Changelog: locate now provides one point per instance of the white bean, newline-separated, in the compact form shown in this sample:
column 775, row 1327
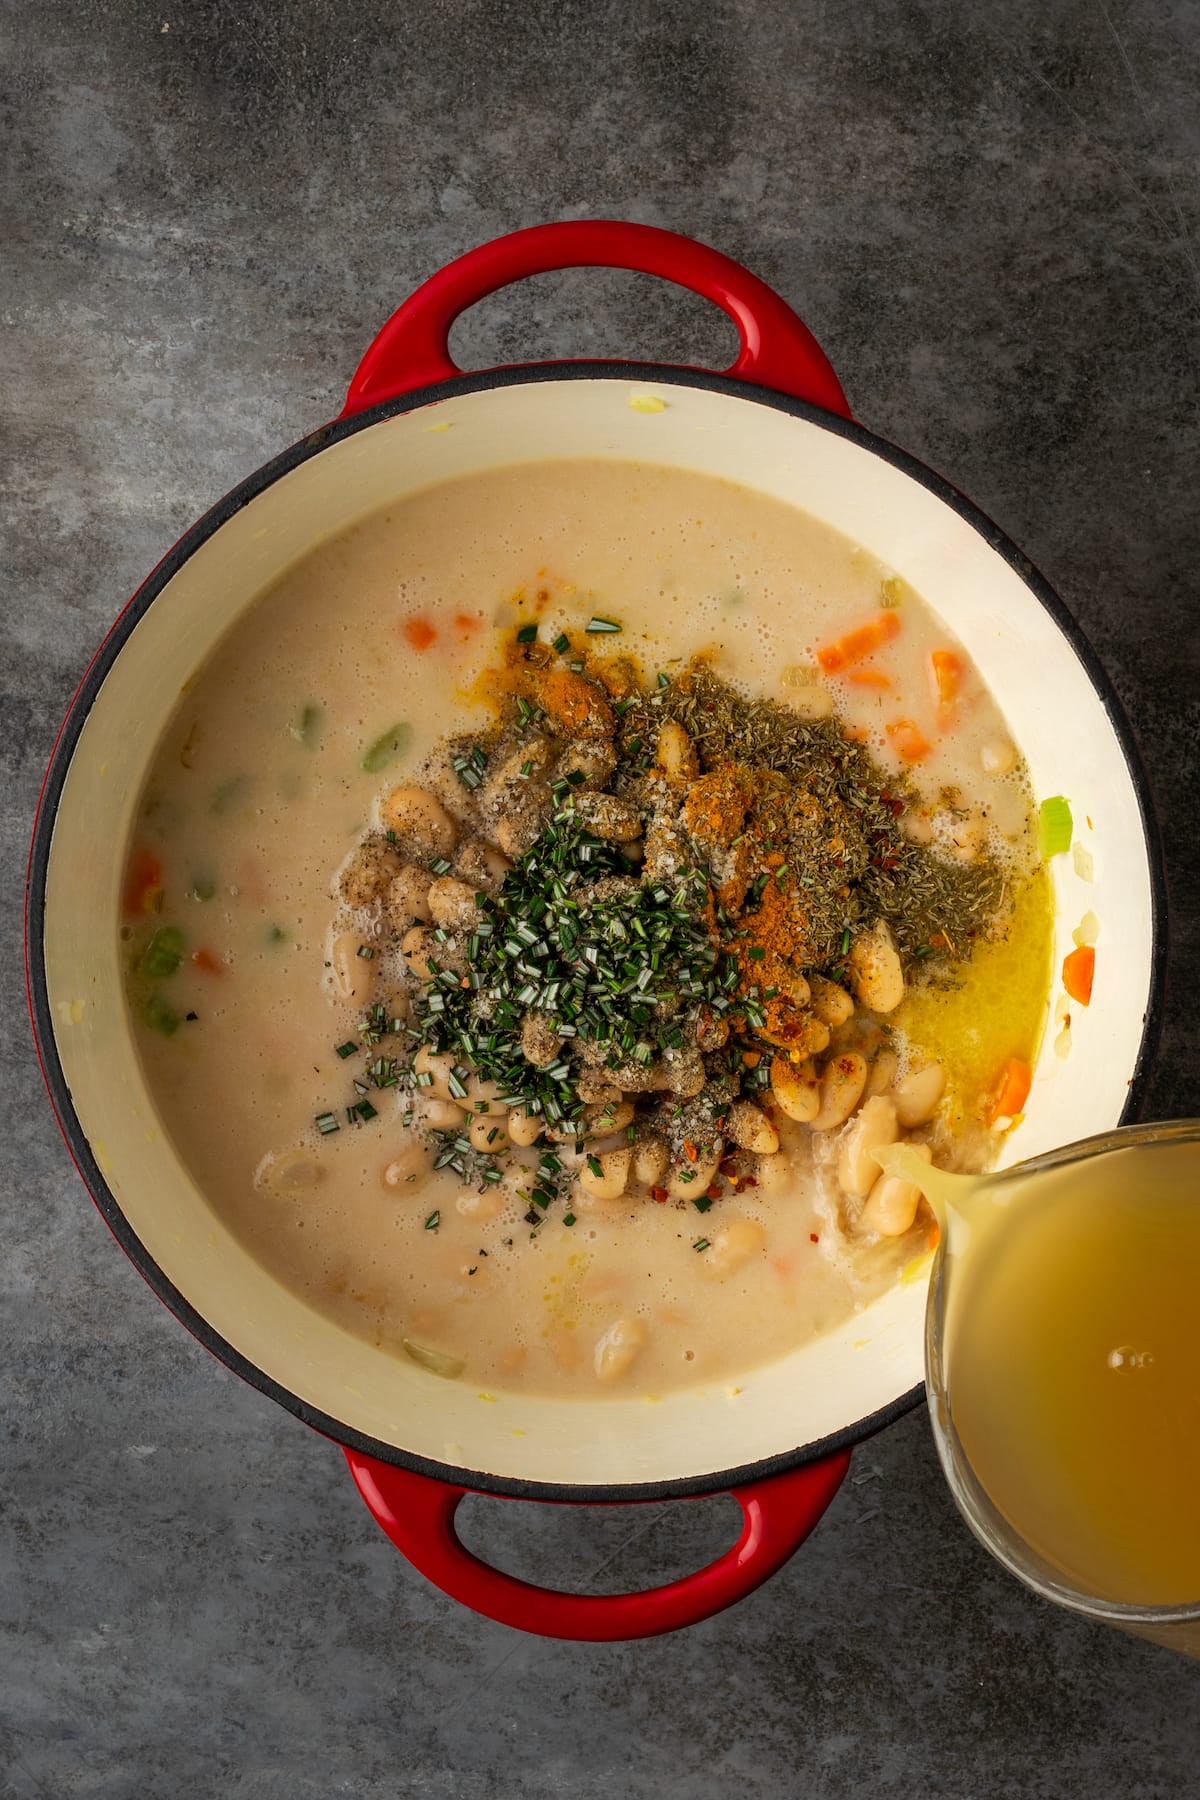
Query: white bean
column 609, row 1184
column 353, row 975
column 438, row 1064
column 830, row 1002
column 606, row 1118
column 882, row 1072
column 540, row 1043
column 842, row 1084
column 997, row 756
column 873, row 1129
column 892, row 1203
column 367, row 871
column 774, row 1174
column 619, row 1348
column 290, row 1172
column 452, row 903
column 442, row 1115
column 733, row 1244
column 481, row 1206
column 408, row 897
column 750, row 1129
column 483, row 1097
column 650, row 1159
column 917, row 1094
column 409, row 1169
column 417, row 947
column 688, row 1180
column 875, row 972
column 420, row 820
column 524, row 1128
column 962, row 836
column 488, row 1135
column 796, row 1088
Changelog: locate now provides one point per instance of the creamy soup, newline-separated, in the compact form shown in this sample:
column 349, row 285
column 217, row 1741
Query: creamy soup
column 799, row 916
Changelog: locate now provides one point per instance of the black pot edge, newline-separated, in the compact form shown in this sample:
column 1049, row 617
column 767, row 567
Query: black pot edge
column 204, row 528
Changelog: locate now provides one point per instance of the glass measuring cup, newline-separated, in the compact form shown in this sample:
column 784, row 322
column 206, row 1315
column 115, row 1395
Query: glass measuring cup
column 975, row 1214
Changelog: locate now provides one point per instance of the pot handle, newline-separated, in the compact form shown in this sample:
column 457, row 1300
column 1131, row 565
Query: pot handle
column 777, row 348
column 417, row 1513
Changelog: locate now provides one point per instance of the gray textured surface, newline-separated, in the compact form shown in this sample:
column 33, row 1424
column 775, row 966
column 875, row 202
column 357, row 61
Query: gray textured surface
column 987, row 213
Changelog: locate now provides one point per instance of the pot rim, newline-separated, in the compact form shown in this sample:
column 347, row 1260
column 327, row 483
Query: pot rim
column 312, row 444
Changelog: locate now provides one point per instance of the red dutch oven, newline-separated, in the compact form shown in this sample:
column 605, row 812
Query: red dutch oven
column 776, row 421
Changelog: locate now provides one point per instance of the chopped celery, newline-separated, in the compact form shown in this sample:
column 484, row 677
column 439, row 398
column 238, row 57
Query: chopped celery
column 163, row 954
column 226, row 796
column 1054, row 827
column 387, row 748
column 307, row 728
column 160, row 1016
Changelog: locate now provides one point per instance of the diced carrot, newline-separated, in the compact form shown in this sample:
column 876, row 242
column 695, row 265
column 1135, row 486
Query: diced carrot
column 948, row 671
column 420, row 633
column 690, row 1151
column 908, row 740
column 658, row 1195
column 143, row 884
column 862, row 641
column 204, row 959
column 1079, row 969
column 751, row 1058
column 1012, row 1090
column 870, row 678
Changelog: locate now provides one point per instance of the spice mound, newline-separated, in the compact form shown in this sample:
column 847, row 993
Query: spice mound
column 636, row 923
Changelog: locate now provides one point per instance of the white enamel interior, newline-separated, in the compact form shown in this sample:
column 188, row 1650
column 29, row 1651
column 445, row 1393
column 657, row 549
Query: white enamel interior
column 823, row 1387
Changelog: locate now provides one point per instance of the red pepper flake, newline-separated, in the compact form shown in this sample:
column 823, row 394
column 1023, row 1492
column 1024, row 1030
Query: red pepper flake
column 715, row 1191
column 420, row 633
column 658, row 1194
column 750, row 1181
column 204, row 959
column 691, row 1152
column 813, row 1238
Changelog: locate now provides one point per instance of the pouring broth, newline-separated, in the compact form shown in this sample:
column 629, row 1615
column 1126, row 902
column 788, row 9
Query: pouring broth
column 1072, row 1366
column 806, row 805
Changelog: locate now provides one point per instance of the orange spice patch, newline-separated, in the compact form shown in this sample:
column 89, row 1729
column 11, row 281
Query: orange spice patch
column 143, row 884
column 420, row 633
